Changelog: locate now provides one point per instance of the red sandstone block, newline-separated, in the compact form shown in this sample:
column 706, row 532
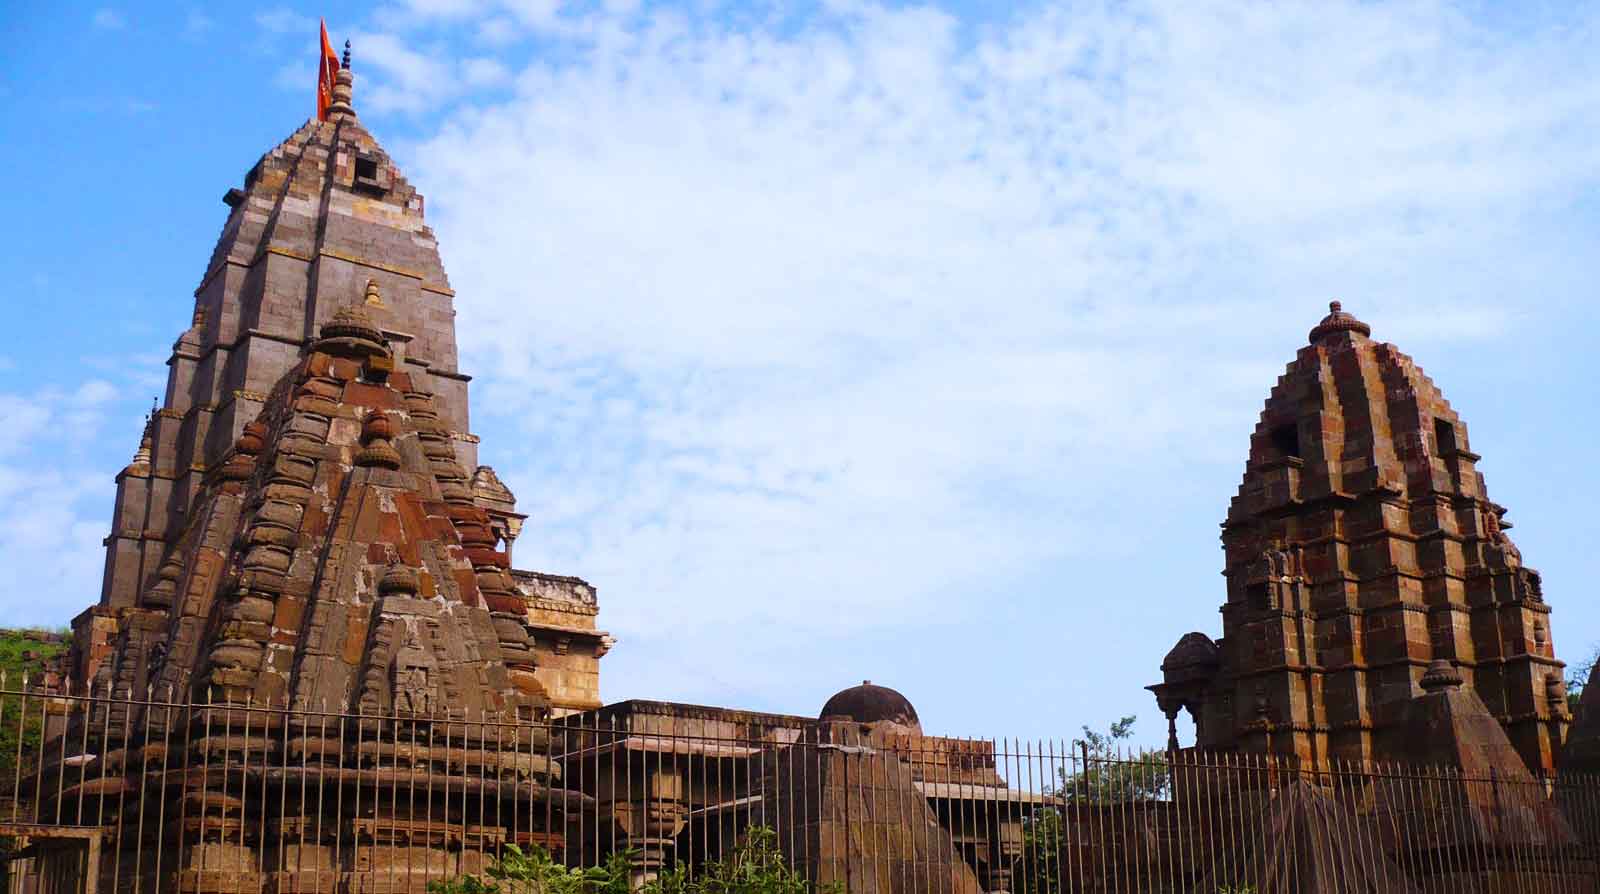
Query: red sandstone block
column 467, row 584
column 501, row 603
column 364, row 395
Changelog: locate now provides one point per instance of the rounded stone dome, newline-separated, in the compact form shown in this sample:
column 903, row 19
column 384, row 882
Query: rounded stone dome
column 352, row 331
column 1337, row 321
column 868, row 703
column 1195, row 657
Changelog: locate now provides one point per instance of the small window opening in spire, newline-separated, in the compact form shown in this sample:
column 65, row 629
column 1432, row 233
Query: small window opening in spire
column 1444, row 437
column 1286, row 440
column 367, row 175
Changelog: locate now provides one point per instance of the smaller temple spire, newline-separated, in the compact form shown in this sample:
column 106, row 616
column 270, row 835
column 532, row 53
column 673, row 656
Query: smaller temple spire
column 345, row 62
column 141, row 457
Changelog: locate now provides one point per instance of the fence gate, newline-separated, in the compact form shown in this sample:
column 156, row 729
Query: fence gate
column 52, row 859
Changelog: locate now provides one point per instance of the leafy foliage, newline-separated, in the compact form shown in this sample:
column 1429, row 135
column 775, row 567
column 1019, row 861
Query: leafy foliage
column 755, row 867
column 13, row 645
column 1110, row 776
column 1113, row 775
column 536, row 872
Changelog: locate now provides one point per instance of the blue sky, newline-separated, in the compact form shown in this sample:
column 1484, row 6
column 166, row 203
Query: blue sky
column 835, row 341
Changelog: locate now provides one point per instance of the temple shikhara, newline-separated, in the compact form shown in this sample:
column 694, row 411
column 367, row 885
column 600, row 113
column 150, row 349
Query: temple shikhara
column 313, row 665
column 306, row 507
column 1367, row 571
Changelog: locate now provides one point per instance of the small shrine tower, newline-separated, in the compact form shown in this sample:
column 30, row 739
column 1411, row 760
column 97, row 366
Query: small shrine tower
column 1361, row 548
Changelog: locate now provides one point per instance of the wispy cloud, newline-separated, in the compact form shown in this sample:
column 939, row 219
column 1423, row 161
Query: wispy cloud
column 821, row 333
column 50, row 500
column 282, row 20
column 865, row 342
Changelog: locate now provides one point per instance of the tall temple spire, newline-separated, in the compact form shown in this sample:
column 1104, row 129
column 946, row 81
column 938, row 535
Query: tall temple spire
column 319, row 369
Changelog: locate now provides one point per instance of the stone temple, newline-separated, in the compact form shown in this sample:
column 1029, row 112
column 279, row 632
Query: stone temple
column 311, row 473
column 1370, row 583
column 309, row 598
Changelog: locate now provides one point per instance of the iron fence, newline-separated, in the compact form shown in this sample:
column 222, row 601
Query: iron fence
column 133, row 793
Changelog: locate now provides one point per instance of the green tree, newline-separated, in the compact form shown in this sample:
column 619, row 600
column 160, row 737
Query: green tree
column 1578, row 677
column 1113, row 772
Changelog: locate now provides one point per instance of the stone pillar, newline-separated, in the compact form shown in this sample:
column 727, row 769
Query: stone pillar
column 1007, row 850
column 650, row 825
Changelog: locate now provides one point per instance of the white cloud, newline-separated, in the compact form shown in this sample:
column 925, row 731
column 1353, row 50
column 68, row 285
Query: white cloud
column 826, row 333
column 282, row 20
column 53, row 502
column 394, row 75
column 482, row 72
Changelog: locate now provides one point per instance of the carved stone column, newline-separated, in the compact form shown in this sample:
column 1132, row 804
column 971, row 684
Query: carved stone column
column 650, row 824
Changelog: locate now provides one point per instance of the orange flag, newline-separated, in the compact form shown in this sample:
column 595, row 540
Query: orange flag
column 327, row 71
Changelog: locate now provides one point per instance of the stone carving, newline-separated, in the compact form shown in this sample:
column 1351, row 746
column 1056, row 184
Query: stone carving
column 412, row 684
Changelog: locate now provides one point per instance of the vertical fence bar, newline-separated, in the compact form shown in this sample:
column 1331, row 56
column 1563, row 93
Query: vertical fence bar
column 116, row 851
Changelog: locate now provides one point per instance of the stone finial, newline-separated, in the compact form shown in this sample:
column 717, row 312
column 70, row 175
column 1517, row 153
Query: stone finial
column 376, row 431
column 343, row 83
column 141, row 457
column 1441, row 676
column 373, row 297
column 164, row 591
column 241, row 465
column 399, row 579
column 1556, row 689
column 1338, row 321
column 352, row 331
column 253, row 439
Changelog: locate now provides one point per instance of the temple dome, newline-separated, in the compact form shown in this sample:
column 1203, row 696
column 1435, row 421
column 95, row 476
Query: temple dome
column 352, row 321
column 1195, row 656
column 869, row 703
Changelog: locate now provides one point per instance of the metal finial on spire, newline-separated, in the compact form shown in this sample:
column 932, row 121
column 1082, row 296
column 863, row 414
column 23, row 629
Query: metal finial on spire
column 345, row 63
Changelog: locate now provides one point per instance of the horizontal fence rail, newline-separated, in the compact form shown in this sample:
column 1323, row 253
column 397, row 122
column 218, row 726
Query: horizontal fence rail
column 112, row 793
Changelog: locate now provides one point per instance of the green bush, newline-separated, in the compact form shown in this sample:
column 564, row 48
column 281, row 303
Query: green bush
column 535, row 872
column 756, row 866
